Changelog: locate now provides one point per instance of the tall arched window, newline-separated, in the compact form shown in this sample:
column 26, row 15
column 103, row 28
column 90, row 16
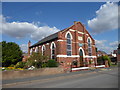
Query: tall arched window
column 36, row 49
column 81, row 57
column 69, row 45
column 89, row 47
column 53, row 51
column 43, row 50
column 31, row 50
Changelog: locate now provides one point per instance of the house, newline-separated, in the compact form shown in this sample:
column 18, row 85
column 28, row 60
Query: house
column 71, row 46
column 114, row 54
column 101, row 53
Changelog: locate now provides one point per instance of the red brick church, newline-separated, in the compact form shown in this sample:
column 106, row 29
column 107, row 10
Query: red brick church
column 71, row 46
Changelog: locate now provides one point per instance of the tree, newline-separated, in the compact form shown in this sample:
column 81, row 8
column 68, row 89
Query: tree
column 36, row 59
column 102, row 59
column 119, row 46
column 11, row 53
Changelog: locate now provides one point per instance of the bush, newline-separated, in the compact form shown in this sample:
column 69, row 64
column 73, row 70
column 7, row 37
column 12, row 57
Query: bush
column 20, row 64
column 52, row 63
column 36, row 60
column 44, row 65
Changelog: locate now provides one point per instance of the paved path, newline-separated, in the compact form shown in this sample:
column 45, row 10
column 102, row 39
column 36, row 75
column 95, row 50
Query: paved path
column 101, row 78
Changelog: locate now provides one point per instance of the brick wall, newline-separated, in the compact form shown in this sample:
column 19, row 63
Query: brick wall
column 31, row 73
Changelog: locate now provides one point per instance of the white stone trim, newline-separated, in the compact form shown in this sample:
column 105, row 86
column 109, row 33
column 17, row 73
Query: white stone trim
column 60, row 40
column 90, row 56
column 90, row 40
column 51, row 47
column 68, row 56
column 77, row 56
column 80, row 32
column 87, row 34
column 36, row 49
column 72, row 30
column 47, row 43
column 69, row 33
column 82, row 51
column 42, row 48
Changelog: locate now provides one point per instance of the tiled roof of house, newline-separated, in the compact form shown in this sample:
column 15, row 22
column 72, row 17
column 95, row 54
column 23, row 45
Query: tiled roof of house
column 46, row 39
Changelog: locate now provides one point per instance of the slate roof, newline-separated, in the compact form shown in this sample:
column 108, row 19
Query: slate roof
column 46, row 39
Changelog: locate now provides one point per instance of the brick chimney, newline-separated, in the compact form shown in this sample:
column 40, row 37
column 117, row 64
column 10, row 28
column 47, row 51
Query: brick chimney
column 75, row 22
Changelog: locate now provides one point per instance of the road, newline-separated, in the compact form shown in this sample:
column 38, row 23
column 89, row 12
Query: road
column 103, row 78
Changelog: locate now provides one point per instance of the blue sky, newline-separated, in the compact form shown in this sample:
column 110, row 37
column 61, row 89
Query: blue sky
column 24, row 21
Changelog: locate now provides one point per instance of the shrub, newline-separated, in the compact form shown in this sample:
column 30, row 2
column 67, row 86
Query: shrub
column 44, row 65
column 20, row 64
column 36, row 60
column 52, row 63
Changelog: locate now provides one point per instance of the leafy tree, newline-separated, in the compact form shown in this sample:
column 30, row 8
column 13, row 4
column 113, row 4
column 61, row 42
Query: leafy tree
column 36, row 59
column 11, row 53
column 102, row 59
column 119, row 46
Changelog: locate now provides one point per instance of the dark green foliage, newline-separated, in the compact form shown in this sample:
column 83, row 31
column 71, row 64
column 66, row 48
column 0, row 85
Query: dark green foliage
column 36, row 59
column 20, row 64
column 119, row 46
column 52, row 63
column 44, row 65
column 11, row 53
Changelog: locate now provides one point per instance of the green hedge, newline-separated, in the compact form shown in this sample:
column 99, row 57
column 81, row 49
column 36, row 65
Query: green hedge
column 52, row 63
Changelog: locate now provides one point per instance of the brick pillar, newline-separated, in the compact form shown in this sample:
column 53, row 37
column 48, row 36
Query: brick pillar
column 29, row 44
column 59, row 44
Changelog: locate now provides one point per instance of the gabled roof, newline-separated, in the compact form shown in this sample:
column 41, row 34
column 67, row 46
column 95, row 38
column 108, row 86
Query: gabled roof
column 54, row 36
column 46, row 39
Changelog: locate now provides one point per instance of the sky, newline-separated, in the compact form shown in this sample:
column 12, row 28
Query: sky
column 24, row 21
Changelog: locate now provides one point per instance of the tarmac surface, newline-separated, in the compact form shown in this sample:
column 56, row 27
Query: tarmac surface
column 98, row 78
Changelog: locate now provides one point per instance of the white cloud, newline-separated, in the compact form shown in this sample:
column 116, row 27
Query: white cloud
column 106, row 18
column 102, row 45
column 24, row 47
column 25, row 29
column 114, row 44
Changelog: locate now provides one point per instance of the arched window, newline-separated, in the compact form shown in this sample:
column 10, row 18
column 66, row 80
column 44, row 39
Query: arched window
column 89, row 47
column 37, row 49
column 69, row 45
column 31, row 50
column 43, row 50
column 53, row 51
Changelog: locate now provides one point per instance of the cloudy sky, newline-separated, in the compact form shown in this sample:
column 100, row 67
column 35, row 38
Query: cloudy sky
column 26, row 21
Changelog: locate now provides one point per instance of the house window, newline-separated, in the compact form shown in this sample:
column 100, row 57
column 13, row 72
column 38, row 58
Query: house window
column 43, row 50
column 89, row 47
column 69, row 45
column 53, row 51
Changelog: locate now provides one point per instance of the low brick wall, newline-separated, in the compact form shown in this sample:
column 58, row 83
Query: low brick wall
column 30, row 73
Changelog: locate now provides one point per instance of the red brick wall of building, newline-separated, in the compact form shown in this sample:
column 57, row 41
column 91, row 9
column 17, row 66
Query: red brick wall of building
column 77, row 31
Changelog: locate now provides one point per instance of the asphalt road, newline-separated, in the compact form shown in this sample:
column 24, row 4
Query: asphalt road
column 104, row 78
